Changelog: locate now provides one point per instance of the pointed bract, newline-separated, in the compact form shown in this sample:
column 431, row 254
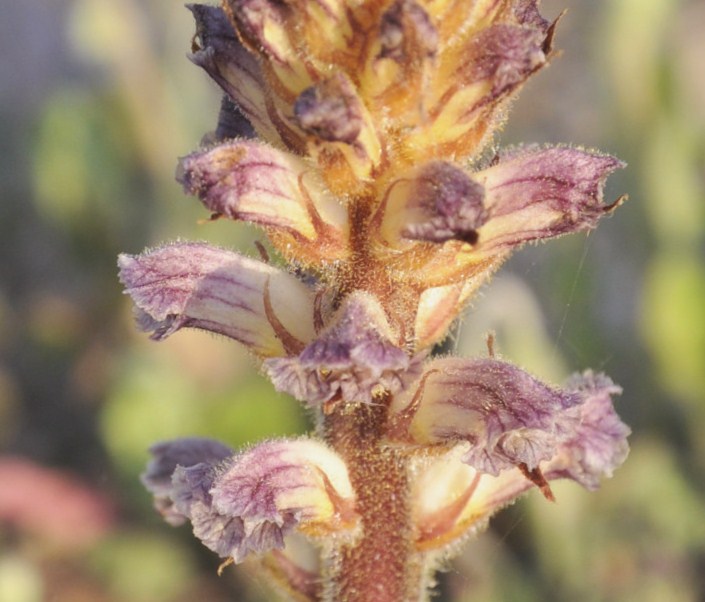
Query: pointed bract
column 439, row 306
column 452, row 499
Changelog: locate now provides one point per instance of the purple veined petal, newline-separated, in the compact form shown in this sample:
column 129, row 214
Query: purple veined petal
column 489, row 67
column 233, row 68
column 355, row 359
column 222, row 534
column 533, row 193
column 451, row 498
column 507, row 417
column 199, row 286
column 248, row 180
column 191, row 496
column 277, row 486
column 169, row 455
column 284, row 475
column 599, row 444
column 248, row 502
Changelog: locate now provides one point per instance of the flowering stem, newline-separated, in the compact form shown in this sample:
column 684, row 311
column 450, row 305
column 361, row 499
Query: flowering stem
column 372, row 119
column 382, row 564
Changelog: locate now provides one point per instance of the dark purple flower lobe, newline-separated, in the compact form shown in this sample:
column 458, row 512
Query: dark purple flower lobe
column 236, row 70
column 444, row 203
column 169, row 455
column 331, row 110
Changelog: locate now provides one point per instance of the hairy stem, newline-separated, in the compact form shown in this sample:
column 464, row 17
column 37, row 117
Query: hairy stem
column 382, row 565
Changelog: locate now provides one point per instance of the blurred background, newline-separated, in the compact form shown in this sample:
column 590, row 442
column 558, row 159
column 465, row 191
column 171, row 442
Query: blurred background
column 97, row 100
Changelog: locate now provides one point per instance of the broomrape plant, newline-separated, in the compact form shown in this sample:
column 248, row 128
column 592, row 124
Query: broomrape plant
column 355, row 133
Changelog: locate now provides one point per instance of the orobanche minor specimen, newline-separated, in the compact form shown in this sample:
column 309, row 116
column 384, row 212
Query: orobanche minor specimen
column 356, row 134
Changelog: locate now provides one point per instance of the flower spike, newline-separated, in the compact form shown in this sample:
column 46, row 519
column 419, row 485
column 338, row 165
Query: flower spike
column 355, row 134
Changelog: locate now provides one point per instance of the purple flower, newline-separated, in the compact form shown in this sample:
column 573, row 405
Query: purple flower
column 356, row 360
column 506, row 416
column 199, row 286
column 249, row 502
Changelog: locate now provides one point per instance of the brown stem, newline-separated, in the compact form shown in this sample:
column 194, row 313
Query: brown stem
column 382, row 564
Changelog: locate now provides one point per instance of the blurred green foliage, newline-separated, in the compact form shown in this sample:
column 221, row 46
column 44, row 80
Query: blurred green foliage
column 100, row 101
